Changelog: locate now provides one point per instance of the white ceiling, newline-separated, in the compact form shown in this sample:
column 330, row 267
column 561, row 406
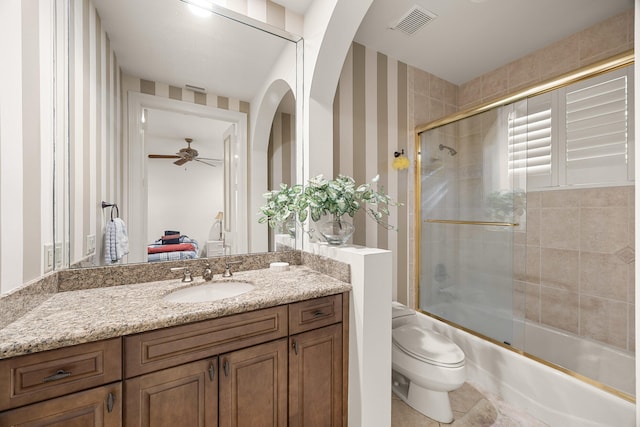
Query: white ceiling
column 163, row 41
column 472, row 37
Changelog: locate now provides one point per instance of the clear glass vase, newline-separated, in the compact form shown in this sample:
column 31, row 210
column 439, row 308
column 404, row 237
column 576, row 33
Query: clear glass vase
column 289, row 227
column 335, row 230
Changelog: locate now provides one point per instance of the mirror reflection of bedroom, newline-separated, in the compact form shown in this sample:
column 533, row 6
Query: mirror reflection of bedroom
column 186, row 187
column 189, row 177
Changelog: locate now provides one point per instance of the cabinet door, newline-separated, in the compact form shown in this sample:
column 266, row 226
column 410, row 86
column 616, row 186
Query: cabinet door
column 315, row 378
column 98, row 407
column 185, row 396
column 253, row 386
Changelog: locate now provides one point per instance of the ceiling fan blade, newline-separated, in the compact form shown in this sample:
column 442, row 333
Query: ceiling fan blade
column 180, row 162
column 163, row 156
column 211, row 159
column 206, row 163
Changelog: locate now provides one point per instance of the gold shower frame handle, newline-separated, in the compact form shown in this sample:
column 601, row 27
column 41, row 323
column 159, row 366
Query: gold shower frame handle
column 491, row 223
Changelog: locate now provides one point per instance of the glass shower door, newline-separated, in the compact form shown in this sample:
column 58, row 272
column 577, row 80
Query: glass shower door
column 470, row 206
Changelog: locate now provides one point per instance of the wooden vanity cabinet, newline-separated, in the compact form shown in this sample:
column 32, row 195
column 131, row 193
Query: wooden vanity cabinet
column 253, row 386
column 96, row 407
column 317, row 368
column 279, row 366
column 64, row 387
column 185, row 395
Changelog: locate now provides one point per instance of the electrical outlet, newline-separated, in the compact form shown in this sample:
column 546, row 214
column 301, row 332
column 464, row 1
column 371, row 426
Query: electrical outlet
column 90, row 244
column 58, row 255
column 48, row 257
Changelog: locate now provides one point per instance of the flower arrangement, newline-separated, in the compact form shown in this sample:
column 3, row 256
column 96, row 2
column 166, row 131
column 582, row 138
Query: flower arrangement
column 322, row 197
column 341, row 196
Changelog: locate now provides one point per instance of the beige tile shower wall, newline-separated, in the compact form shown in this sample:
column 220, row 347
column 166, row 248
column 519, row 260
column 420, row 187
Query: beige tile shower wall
column 610, row 37
column 600, row 41
column 573, row 268
column 575, row 263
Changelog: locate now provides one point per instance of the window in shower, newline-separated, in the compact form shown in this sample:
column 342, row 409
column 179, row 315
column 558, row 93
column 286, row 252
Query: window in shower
column 576, row 135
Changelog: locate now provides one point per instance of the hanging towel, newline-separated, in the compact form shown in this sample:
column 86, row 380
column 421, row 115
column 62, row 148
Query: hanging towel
column 122, row 239
column 116, row 241
column 109, row 243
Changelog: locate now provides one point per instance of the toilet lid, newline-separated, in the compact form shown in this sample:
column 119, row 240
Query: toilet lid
column 428, row 346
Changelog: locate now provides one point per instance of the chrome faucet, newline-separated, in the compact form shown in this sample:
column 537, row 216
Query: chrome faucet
column 186, row 274
column 227, row 268
column 207, row 274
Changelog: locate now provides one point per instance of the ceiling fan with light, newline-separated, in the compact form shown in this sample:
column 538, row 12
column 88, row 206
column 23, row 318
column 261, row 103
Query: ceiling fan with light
column 187, row 154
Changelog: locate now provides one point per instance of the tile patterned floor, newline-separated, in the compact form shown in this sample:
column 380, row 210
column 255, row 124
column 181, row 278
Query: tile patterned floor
column 471, row 408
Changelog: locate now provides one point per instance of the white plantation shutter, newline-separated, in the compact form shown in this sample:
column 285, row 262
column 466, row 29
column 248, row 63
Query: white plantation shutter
column 578, row 135
column 530, row 141
column 597, row 130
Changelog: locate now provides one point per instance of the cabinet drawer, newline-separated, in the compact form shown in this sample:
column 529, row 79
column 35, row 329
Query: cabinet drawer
column 315, row 313
column 100, row 406
column 41, row 376
column 164, row 348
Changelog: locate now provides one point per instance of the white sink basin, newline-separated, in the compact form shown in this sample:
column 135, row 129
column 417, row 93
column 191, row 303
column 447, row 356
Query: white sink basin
column 209, row 292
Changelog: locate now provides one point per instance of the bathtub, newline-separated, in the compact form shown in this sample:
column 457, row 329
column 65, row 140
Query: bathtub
column 595, row 360
column 592, row 359
column 549, row 395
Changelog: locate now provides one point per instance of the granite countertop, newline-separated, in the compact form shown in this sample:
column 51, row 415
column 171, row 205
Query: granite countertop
column 86, row 315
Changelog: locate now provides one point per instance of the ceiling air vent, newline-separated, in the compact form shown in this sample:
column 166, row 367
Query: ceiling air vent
column 413, row 20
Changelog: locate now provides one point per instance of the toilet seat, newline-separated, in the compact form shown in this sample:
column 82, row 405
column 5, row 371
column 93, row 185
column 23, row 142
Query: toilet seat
column 428, row 346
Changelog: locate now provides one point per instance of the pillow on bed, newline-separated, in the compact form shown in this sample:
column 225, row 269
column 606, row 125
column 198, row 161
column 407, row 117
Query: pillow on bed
column 171, row 248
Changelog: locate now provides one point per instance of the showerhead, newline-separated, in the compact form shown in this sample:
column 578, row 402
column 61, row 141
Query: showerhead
column 451, row 150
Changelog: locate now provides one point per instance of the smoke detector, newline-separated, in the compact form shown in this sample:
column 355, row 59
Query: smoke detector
column 414, row 19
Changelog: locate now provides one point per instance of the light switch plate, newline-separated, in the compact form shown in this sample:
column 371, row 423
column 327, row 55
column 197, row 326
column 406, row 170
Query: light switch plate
column 48, row 257
column 58, row 255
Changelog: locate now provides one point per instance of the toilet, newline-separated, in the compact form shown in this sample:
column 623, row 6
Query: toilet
column 426, row 365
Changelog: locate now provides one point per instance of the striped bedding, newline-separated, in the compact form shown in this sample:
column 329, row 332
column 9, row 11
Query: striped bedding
column 172, row 255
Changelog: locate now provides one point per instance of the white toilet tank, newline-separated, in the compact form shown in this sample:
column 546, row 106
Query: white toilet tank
column 401, row 315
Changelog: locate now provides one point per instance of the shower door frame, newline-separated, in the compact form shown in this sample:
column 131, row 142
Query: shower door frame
column 601, row 67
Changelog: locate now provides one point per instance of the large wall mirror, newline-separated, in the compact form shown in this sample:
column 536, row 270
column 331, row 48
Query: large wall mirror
column 175, row 115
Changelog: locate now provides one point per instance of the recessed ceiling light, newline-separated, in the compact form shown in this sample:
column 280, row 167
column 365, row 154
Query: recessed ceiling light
column 199, row 7
column 198, row 11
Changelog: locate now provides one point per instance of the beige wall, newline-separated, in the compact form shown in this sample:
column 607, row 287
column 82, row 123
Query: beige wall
column 281, row 156
column 95, row 123
column 371, row 122
column 27, row 127
column 368, row 118
column 574, row 263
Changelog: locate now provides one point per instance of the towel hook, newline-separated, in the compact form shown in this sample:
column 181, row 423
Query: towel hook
column 112, row 205
column 115, row 206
